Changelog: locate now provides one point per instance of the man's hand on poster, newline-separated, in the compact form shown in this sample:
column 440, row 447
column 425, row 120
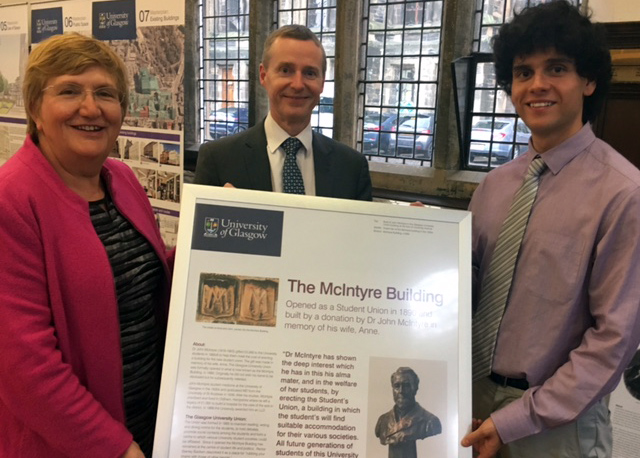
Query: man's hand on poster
column 484, row 438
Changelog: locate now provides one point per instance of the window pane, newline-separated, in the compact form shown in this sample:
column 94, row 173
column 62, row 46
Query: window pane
column 431, row 42
column 485, row 40
column 428, row 95
column 429, row 68
column 398, row 92
column 395, row 16
column 410, row 67
column 483, row 101
column 378, row 17
column 374, row 68
column 375, row 45
column 413, row 18
column 503, row 103
column 285, row 17
column 412, row 40
column 224, row 72
column 493, row 12
column 433, row 14
column 393, row 45
column 485, row 75
column 373, row 93
column 391, row 94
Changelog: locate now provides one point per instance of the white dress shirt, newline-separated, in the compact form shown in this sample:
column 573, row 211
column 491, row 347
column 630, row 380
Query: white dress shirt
column 276, row 135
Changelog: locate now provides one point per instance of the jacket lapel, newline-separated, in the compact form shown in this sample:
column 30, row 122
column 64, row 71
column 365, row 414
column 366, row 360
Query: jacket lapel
column 322, row 164
column 256, row 159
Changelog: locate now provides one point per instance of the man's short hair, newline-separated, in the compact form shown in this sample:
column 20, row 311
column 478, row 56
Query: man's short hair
column 407, row 371
column 296, row 32
column 556, row 25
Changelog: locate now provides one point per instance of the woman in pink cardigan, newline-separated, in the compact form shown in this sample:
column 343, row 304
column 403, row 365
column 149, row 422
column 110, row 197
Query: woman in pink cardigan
column 84, row 277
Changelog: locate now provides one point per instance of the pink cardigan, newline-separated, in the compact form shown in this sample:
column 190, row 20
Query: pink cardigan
column 61, row 388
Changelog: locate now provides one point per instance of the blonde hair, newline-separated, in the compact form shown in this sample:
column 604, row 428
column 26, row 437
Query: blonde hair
column 68, row 54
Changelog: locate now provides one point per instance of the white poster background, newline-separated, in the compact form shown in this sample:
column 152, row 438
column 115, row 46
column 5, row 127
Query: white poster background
column 624, row 405
column 233, row 390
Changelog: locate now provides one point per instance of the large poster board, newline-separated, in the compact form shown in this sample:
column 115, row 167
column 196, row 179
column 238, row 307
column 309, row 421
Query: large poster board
column 290, row 313
column 624, row 405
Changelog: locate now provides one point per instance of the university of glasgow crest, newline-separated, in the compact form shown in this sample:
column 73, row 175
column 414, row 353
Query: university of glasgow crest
column 211, row 226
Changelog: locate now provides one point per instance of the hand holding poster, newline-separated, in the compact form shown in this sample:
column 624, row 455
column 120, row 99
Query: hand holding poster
column 316, row 327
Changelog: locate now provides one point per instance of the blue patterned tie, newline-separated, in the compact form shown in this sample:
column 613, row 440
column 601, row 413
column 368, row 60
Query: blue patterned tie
column 497, row 281
column 292, row 182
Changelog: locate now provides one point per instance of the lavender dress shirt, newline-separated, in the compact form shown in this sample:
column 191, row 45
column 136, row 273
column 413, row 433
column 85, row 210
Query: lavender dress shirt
column 572, row 322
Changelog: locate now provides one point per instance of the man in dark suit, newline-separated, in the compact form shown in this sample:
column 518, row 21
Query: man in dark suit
column 292, row 71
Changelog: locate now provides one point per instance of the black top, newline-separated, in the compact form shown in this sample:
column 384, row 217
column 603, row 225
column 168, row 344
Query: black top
column 137, row 274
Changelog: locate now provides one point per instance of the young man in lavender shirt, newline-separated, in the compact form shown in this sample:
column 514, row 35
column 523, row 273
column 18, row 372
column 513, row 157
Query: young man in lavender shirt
column 572, row 317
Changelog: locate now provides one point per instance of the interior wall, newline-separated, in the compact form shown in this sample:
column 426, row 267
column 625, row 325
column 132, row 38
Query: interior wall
column 615, row 10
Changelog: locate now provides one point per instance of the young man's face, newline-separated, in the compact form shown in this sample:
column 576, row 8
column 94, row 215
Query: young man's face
column 294, row 80
column 548, row 95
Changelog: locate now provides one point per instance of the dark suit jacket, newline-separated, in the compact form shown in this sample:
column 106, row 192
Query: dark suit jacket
column 242, row 160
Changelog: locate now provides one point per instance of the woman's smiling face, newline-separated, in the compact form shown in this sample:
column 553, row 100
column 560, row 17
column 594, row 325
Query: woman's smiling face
column 76, row 121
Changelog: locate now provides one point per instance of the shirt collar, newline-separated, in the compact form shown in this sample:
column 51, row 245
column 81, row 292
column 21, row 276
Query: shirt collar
column 559, row 156
column 276, row 135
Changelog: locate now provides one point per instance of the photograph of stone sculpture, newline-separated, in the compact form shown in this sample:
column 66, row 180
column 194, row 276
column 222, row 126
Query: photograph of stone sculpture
column 235, row 299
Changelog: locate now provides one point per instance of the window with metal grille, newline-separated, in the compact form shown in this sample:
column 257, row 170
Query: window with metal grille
column 223, row 82
column 495, row 134
column 400, row 50
column 320, row 17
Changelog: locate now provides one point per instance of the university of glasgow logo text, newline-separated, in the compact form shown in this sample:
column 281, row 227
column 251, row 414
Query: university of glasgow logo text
column 237, row 230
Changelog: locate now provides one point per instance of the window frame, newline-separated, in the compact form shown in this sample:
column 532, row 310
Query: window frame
column 206, row 122
column 444, row 178
column 387, row 136
column 465, row 75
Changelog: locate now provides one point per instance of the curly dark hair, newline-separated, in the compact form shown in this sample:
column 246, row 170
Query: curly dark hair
column 556, row 25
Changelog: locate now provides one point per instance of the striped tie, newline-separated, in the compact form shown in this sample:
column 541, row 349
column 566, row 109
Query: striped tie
column 292, row 182
column 497, row 281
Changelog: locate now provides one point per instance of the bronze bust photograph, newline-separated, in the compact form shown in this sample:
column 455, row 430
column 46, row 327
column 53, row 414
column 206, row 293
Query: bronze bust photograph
column 407, row 421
